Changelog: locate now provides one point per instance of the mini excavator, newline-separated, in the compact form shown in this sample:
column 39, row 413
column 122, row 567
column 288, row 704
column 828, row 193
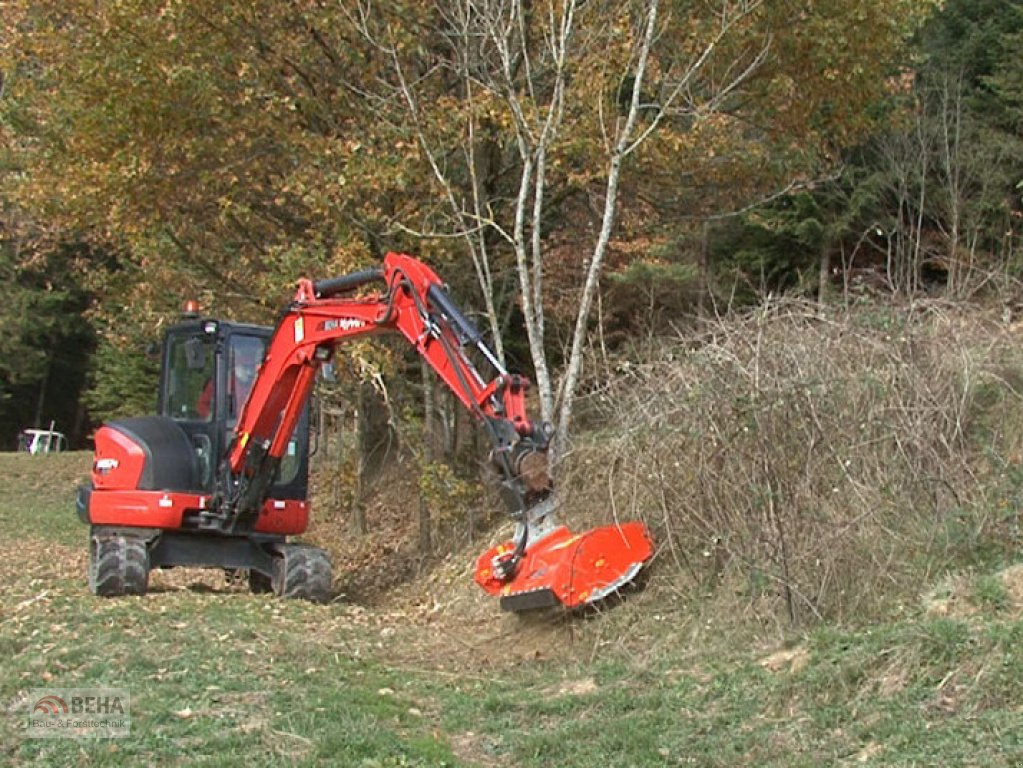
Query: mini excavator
column 219, row 477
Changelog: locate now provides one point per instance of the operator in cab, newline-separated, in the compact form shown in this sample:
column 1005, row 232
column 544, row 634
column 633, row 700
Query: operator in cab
column 246, row 354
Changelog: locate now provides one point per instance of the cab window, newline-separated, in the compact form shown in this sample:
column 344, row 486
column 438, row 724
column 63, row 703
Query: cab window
column 245, row 355
column 190, row 378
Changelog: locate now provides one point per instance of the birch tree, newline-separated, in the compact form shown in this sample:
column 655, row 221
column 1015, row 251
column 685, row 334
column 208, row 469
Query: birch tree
column 556, row 73
column 684, row 91
column 510, row 63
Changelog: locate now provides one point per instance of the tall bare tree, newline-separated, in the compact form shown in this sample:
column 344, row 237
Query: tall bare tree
column 687, row 89
column 550, row 74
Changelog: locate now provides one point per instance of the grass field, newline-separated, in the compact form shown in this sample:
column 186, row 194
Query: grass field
column 436, row 676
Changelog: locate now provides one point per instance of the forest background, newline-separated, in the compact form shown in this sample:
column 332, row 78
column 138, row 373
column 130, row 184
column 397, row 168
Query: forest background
column 573, row 169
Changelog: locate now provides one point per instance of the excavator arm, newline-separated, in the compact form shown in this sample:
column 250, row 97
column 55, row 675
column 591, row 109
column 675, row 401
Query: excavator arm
column 410, row 299
column 412, row 302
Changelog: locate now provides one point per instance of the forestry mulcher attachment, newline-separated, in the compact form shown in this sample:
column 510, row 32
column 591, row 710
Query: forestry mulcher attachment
column 219, row 478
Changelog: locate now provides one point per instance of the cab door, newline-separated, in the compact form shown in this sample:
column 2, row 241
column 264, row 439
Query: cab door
column 189, row 391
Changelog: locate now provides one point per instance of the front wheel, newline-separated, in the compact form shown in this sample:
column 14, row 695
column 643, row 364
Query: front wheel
column 302, row 572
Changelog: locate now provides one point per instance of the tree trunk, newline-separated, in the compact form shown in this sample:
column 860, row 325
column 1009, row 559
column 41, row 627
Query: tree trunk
column 824, row 277
column 429, row 411
column 37, row 421
column 624, row 144
column 378, row 443
column 703, row 269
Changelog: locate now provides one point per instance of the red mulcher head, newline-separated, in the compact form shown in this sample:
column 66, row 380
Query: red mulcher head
column 567, row 569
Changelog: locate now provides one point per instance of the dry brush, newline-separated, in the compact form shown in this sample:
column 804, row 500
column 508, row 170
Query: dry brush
column 812, row 465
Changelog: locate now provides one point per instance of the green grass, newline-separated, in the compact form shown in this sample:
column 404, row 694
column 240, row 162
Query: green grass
column 227, row 678
column 216, row 678
column 39, row 496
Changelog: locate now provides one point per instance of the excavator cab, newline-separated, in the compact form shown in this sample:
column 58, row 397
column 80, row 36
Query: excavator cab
column 207, row 371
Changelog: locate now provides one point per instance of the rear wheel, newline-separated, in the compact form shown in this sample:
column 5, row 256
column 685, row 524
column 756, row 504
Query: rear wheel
column 302, row 572
column 118, row 565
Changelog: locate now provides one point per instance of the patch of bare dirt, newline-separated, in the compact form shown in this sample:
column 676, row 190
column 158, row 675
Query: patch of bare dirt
column 372, row 567
column 951, row 599
column 472, row 748
column 869, row 752
column 1012, row 578
column 790, row 660
column 368, row 565
column 426, row 610
column 580, row 687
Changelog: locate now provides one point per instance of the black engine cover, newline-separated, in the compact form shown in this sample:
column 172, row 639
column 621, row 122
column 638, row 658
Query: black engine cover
column 171, row 461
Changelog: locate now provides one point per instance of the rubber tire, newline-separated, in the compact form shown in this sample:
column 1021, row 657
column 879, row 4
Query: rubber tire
column 302, row 573
column 118, row 565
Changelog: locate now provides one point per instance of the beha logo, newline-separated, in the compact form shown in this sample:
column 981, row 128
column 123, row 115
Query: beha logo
column 74, row 713
column 51, row 705
column 80, row 705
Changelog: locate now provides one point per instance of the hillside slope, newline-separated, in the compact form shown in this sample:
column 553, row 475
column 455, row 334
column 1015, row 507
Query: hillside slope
column 435, row 676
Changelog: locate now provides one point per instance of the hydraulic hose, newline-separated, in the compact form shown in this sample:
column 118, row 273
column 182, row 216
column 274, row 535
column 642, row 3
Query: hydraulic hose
column 333, row 286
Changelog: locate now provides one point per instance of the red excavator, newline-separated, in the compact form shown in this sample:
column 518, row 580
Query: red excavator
column 219, row 477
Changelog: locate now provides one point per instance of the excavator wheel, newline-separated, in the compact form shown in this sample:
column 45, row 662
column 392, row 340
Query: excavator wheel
column 302, row 572
column 118, row 565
